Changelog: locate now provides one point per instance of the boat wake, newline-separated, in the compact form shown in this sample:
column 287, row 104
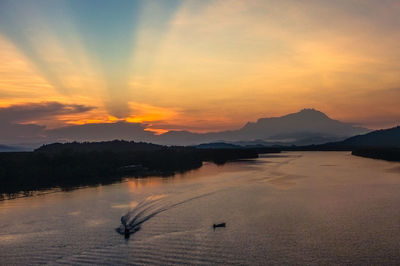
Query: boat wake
column 148, row 208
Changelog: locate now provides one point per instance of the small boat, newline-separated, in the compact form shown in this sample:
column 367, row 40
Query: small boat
column 219, row 225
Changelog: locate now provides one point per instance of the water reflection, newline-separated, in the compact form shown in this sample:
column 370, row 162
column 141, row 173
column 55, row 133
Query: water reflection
column 296, row 208
column 138, row 183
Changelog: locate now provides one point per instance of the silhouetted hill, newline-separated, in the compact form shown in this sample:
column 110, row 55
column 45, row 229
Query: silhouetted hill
column 381, row 144
column 114, row 146
column 379, row 138
column 375, row 139
column 218, row 145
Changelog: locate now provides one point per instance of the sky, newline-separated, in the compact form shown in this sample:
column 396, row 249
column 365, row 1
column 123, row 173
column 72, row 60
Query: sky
column 197, row 65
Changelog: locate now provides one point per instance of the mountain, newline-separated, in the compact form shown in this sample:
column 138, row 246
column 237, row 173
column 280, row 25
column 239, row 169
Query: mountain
column 303, row 124
column 380, row 138
column 308, row 126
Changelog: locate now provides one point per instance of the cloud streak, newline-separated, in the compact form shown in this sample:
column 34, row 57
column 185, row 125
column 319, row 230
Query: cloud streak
column 35, row 112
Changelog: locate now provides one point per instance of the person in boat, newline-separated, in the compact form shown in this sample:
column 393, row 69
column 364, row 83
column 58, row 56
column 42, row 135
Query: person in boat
column 126, row 232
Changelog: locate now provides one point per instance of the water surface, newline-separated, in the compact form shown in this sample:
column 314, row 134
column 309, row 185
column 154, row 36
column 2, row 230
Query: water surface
column 291, row 208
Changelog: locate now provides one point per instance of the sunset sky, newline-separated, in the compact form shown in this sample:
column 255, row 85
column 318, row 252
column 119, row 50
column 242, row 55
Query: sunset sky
column 198, row 65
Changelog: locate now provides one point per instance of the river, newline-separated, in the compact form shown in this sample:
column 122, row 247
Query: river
column 288, row 208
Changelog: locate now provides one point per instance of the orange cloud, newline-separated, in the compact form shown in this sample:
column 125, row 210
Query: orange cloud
column 143, row 113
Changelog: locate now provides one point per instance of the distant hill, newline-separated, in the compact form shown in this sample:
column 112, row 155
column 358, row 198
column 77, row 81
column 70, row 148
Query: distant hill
column 379, row 138
column 218, row 145
column 4, row 148
column 308, row 126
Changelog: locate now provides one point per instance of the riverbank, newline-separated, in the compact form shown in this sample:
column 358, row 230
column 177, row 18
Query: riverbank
column 71, row 165
column 387, row 154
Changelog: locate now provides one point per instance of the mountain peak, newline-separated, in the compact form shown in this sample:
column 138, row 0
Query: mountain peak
column 312, row 113
column 309, row 110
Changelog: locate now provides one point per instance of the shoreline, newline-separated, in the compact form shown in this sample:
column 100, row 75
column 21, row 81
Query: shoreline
column 71, row 165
